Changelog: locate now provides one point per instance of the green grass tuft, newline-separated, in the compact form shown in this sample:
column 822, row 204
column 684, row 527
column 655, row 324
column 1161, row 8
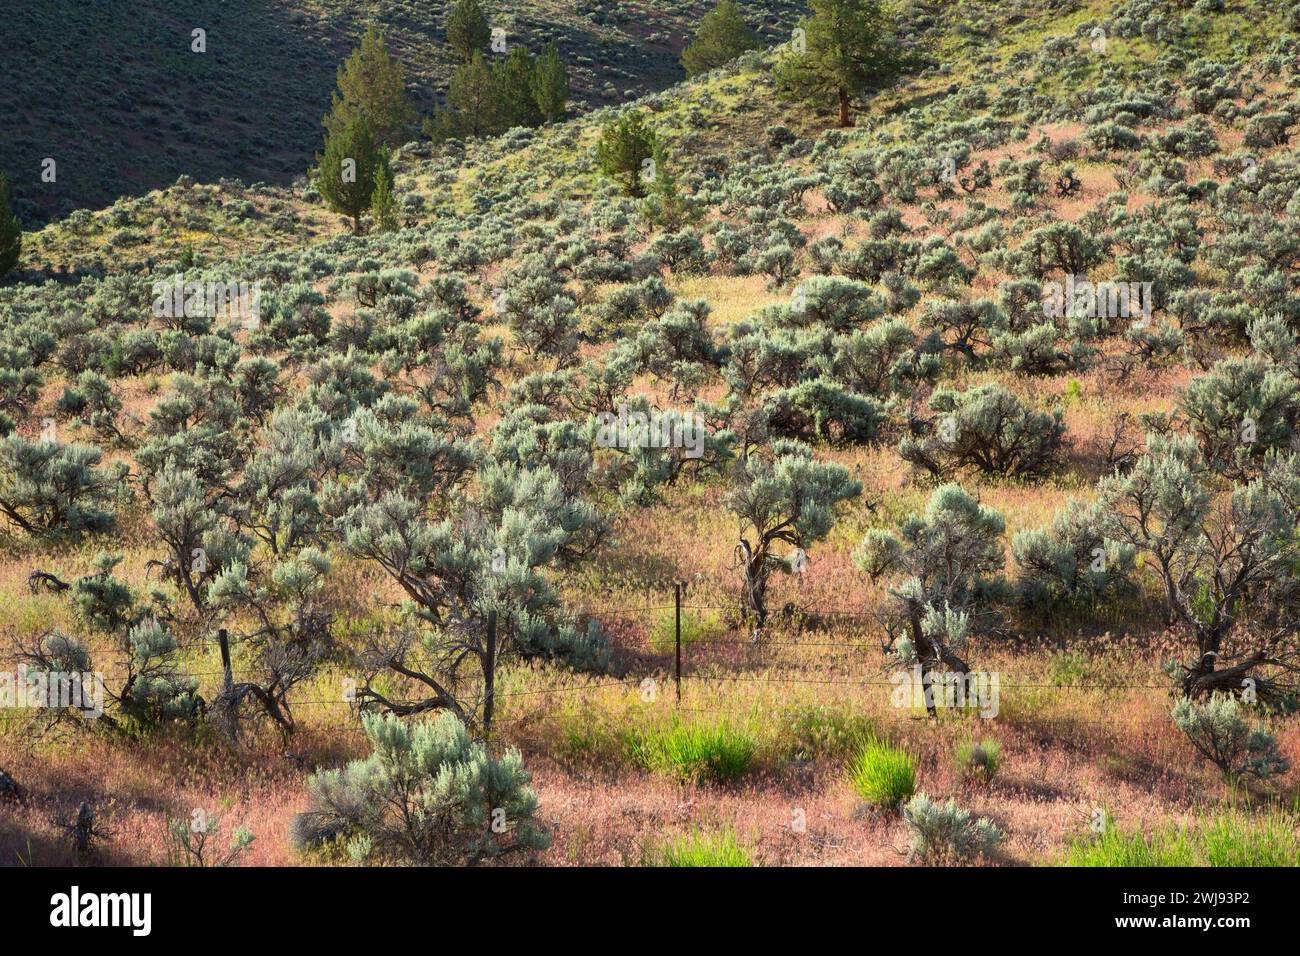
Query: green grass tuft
column 823, row 730
column 980, row 761
column 696, row 626
column 695, row 751
column 1229, row 839
column 699, row 848
column 882, row 774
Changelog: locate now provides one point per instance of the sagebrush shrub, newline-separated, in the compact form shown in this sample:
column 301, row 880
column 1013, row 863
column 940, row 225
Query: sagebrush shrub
column 944, row 832
column 1217, row 730
column 49, row 489
column 987, row 428
column 427, row 793
column 1071, row 564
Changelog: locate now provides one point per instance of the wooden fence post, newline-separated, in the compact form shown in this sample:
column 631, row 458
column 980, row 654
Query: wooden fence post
column 490, row 672
column 224, row 640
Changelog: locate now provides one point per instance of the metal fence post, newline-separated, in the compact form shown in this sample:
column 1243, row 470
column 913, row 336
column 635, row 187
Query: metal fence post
column 677, row 628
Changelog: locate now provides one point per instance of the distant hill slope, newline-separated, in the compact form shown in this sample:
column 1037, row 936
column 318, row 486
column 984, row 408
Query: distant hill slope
column 111, row 91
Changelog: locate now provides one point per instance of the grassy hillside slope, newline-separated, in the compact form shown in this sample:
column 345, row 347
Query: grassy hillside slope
column 1160, row 149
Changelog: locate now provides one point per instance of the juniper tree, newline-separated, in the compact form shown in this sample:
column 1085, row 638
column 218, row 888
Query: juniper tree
column 599, row 387
column 347, row 169
column 947, row 567
column 847, row 52
column 383, row 206
column 11, row 231
column 473, row 103
column 371, row 85
column 722, row 36
column 782, row 496
column 513, row 81
column 665, row 205
column 550, row 83
column 137, row 352
column 468, row 31
column 873, row 259
column 625, row 146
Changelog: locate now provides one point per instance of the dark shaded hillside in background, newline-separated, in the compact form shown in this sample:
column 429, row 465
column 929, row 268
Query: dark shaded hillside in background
column 111, row 91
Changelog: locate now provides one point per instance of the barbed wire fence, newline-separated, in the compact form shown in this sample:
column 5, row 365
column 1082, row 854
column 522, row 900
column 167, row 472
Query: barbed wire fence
column 684, row 659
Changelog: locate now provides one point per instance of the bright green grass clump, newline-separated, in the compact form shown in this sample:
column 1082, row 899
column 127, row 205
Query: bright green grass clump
column 714, row 750
column 699, row 848
column 1238, row 840
column 696, row 626
column 882, row 775
column 1230, row 839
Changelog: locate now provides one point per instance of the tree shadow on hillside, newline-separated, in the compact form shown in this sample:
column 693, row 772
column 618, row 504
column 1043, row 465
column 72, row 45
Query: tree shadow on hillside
column 115, row 94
